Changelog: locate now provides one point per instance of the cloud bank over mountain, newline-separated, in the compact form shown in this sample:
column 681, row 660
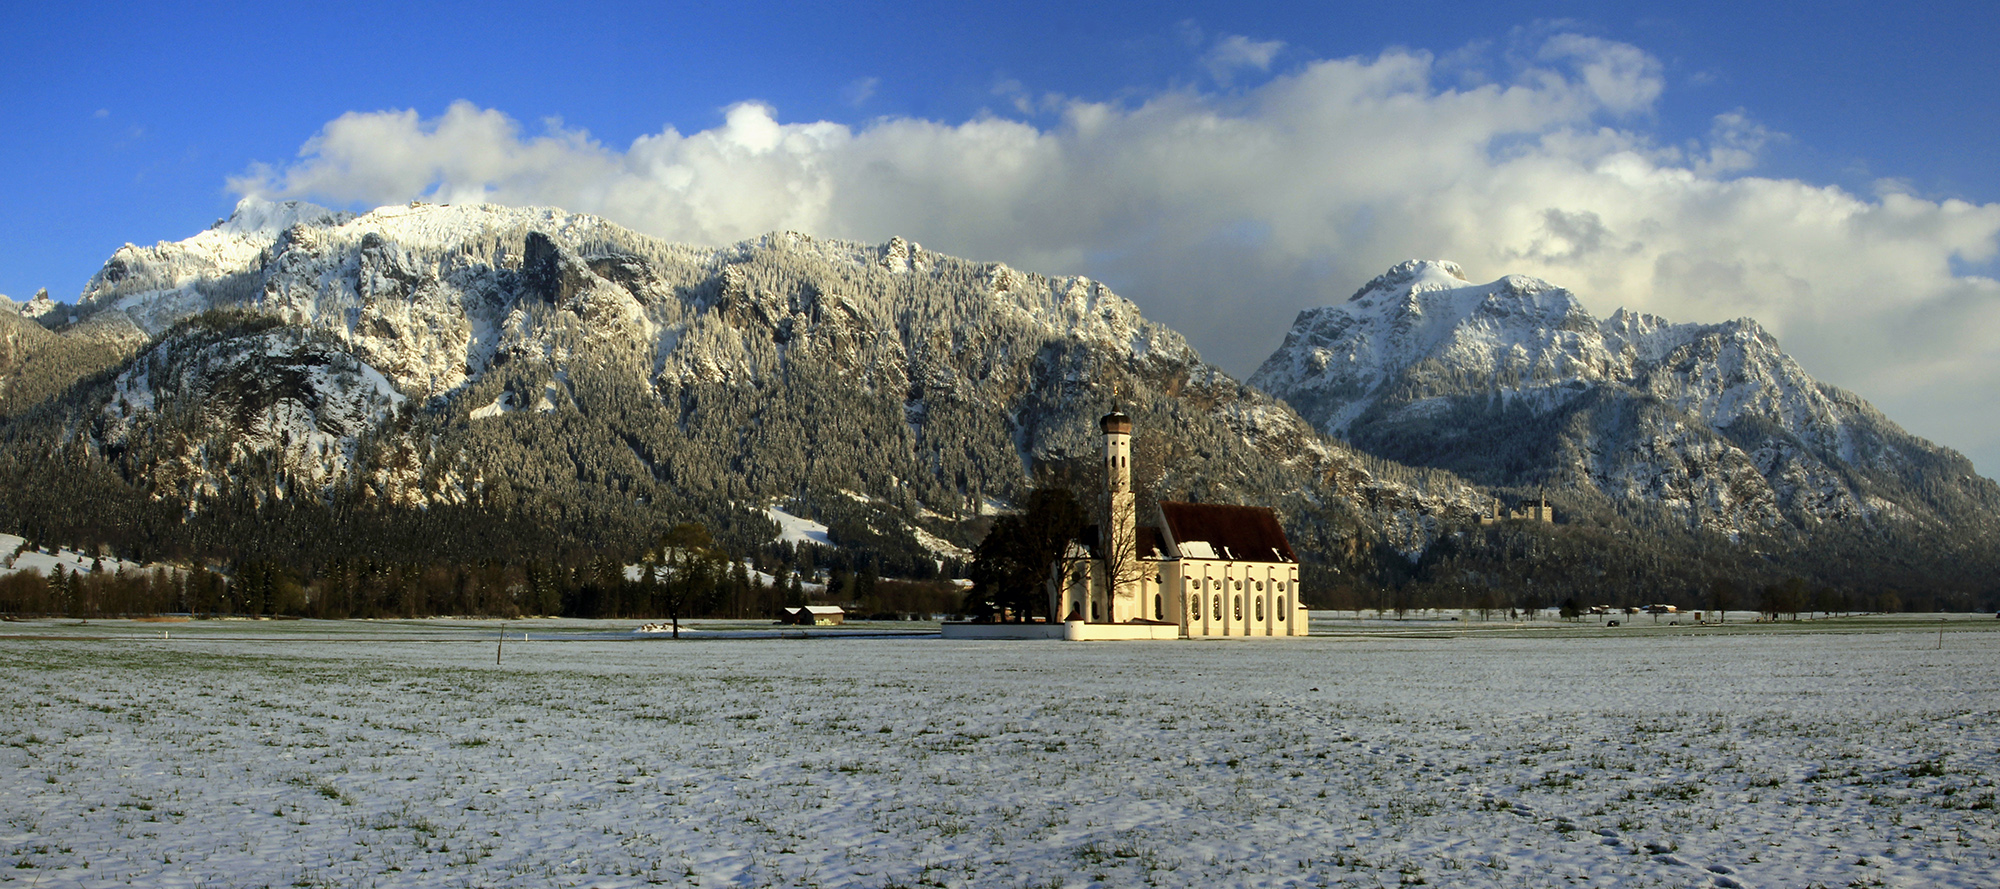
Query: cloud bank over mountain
column 1224, row 209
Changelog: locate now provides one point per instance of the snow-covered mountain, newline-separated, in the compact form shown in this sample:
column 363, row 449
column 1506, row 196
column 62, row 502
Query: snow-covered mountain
column 1513, row 384
column 538, row 365
column 39, row 307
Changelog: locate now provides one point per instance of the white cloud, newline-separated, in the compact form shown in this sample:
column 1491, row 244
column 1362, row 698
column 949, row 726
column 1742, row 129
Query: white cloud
column 1237, row 53
column 1734, row 141
column 1222, row 214
column 1622, row 77
column 858, row 92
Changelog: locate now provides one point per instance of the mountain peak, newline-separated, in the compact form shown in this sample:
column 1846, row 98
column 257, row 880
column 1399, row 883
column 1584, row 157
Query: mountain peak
column 1513, row 383
column 1415, row 275
column 254, row 214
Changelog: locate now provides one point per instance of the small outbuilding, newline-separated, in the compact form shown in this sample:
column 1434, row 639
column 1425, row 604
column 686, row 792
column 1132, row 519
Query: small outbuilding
column 816, row 616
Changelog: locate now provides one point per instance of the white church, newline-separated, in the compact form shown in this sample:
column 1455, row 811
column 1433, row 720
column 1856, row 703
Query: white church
column 1204, row 570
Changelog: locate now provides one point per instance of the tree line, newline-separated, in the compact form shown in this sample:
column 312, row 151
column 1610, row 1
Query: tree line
column 702, row 580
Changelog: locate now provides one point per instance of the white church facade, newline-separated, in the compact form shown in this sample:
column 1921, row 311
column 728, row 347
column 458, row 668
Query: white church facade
column 1203, row 570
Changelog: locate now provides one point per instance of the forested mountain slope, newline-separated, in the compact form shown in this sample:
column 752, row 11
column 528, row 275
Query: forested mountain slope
column 475, row 384
column 469, row 382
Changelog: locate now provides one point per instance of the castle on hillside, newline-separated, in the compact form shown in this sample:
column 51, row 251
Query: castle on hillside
column 1202, row 570
column 1535, row 510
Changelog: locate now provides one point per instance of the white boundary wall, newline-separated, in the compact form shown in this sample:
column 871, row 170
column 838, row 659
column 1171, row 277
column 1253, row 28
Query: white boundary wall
column 1077, row 630
column 956, row 630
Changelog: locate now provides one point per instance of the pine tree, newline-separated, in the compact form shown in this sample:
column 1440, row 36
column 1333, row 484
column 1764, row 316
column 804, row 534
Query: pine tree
column 59, row 590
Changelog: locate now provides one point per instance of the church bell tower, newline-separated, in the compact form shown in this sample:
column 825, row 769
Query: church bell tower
column 1120, row 548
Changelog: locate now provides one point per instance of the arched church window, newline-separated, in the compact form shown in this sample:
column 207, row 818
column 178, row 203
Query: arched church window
column 1260, row 608
column 1281, row 608
column 1237, row 602
column 1159, row 607
column 1194, row 607
column 1217, row 611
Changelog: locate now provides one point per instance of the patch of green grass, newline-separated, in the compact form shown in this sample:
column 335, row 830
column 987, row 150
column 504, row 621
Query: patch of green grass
column 1930, row 768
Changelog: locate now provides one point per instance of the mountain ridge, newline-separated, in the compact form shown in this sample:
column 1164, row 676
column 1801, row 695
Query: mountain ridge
column 1722, row 427
column 530, row 361
column 305, row 386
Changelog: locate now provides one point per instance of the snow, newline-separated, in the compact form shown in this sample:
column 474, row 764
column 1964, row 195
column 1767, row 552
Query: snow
column 938, row 545
column 1197, row 549
column 499, row 405
column 1425, row 309
column 1519, row 330
column 504, row 403
column 398, row 753
column 636, row 572
column 793, row 529
column 37, row 559
column 37, row 307
column 1424, row 337
column 257, row 216
column 425, row 294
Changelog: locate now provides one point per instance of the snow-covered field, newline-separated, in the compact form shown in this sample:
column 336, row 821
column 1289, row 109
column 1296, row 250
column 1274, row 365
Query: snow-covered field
column 398, row 754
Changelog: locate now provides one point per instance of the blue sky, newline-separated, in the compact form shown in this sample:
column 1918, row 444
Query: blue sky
column 1511, row 137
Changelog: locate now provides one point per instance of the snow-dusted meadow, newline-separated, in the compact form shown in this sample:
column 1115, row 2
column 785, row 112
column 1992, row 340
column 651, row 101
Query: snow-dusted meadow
column 398, row 754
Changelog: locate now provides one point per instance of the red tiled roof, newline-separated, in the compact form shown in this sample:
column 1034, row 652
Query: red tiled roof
column 1238, row 533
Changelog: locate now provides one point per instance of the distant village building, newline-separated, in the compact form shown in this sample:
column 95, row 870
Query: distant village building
column 1203, row 570
column 816, row 615
column 1532, row 510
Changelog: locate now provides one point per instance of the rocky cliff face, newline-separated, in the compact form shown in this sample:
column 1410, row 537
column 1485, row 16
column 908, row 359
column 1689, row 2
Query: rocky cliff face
column 1513, row 384
column 534, row 362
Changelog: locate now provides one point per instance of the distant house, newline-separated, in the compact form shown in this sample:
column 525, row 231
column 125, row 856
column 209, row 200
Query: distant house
column 816, row 616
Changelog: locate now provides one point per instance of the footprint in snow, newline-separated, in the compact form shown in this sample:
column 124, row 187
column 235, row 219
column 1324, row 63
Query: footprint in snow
column 1727, row 883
